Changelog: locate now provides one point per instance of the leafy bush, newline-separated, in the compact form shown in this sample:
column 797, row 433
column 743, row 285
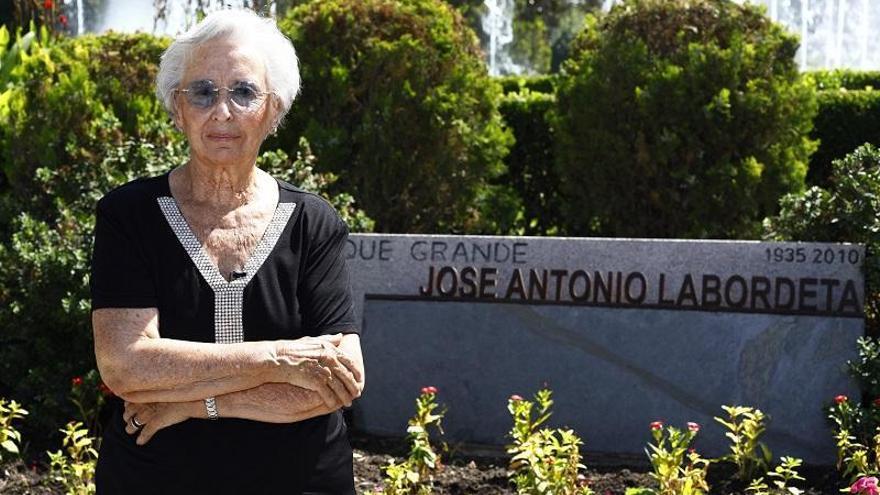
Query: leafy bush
column 415, row 475
column 846, row 119
column 681, row 118
column 847, row 211
column 397, row 102
column 781, row 476
column 543, row 461
column 856, row 426
column 74, row 466
column 10, row 437
column 529, row 164
column 745, row 426
column 538, row 84
column 678, row 468
column 844, row 78
column 301, row 172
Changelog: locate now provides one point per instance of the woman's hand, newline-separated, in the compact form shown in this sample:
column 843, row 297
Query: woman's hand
column 318, row 364
column 146, row 419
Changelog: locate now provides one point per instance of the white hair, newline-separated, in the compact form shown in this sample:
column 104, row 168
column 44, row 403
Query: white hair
column 282, row 67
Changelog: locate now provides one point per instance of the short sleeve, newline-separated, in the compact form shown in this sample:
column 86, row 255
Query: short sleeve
column 325, row 290
column 120, row 275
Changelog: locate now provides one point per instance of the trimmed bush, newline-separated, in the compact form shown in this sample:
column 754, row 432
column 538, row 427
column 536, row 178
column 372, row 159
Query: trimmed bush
column 846, row 119
column 538, row 84
column 681, row 118
column 844, row 78
column 847, row 211
column 397, row 101
column 529, row 165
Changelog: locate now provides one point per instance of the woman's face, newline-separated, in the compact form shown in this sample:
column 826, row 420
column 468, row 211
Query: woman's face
column 225, row 132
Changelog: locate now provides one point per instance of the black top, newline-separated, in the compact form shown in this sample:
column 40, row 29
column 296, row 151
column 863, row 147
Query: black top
column 302, row 289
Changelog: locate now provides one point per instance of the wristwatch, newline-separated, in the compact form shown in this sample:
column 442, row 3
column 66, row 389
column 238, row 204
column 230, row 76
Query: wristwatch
column 211, row 408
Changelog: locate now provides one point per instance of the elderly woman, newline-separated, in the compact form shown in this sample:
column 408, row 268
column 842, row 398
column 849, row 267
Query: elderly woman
column 221, row 304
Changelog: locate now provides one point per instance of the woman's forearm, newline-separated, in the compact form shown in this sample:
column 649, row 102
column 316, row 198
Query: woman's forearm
column 140, row 366
column 272, row 403
column 167, row 370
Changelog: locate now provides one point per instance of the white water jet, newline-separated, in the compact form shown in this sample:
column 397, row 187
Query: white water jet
column 833, row 33
column 498, row 26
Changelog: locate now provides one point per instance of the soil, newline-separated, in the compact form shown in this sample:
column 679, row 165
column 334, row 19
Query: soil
column 473, row 469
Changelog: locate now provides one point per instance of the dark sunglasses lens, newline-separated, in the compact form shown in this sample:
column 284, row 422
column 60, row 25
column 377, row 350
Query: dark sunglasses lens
column 202, row 95
column 243, row 96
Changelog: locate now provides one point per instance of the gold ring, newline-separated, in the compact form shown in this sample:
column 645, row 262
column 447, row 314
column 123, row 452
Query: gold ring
column 137, row 424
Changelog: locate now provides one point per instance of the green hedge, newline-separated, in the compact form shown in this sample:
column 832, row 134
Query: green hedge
column 846, row 120
column 539, row 83
column 844, row 78
column 530, row 168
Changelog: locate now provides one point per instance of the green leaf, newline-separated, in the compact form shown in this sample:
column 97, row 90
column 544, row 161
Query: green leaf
column 10, row 446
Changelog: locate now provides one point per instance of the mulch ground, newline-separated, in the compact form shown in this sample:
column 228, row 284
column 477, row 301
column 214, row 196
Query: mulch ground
column 472, row 470
column 483, row 470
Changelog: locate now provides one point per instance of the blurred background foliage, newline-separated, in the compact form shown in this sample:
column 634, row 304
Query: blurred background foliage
column 660, row 121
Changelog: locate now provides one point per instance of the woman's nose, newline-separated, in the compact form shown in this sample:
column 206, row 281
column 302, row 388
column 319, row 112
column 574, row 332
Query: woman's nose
column 221, row 110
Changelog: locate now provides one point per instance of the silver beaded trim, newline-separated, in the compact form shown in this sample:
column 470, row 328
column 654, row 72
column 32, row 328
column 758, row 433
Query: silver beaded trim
column 228, row 295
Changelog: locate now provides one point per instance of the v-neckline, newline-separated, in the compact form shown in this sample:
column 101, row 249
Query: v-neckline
column 199, row 256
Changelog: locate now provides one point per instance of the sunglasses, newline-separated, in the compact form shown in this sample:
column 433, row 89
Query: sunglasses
column 244, row 96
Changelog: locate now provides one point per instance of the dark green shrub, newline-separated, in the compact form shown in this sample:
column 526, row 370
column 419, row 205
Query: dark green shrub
column 847, row 211
column 844, row 78
column 530, row 170
column 681, row 118
column 538, row 84
column 846, row 119
column 396, row 101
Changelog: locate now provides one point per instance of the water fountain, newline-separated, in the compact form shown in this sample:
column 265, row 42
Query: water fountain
column 498, row 26
column 834, row 33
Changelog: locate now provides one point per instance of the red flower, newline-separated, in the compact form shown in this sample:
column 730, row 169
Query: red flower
column 692, row 450
column 877, row 402
column 63, row 20
column 76, row 381
column 656, row 425
column 105, row 389
column 515, row 398
column 48, row 4
column 429, row 390
column 840, row 399
column 694, row 427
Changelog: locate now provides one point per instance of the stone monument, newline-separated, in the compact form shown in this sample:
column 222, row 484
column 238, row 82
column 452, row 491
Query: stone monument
column 624, row 331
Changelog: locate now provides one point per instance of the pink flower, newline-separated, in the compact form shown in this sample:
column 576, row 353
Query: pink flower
column 694, row 427
column 515, row 398
column 76, row 381
column 656, row 425
column 429, row 390
column 865, row 485
column 840, row 399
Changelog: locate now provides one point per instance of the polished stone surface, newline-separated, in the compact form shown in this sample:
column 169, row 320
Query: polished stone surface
column 624, row 332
